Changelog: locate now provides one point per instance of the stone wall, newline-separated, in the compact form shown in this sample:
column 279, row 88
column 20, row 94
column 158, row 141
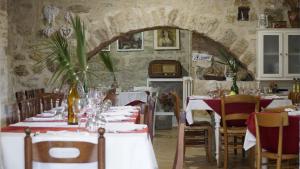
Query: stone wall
column 108, row 19
column 132, row 66
column 4, row 74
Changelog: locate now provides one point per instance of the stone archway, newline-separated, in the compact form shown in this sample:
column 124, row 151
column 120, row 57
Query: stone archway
column 133, row 20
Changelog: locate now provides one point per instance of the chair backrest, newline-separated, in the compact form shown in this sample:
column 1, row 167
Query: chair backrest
column 47, row 101
column 20, row 96
column 12, row 113
column 111, row 95
column 29, row 94
column 29, row 108
column 295, row 97
column 38, row 92
column 271, row 120
column 89, row 152
column 176, row 105
column 57, row 99
column 179, row 156
column 278, row 109
column 149, row 115
column 246, row 105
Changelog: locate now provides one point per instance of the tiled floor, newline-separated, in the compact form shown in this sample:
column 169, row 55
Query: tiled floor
column 165, row 145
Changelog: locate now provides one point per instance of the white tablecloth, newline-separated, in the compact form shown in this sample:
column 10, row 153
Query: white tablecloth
column 123, row 150
column 124, row 98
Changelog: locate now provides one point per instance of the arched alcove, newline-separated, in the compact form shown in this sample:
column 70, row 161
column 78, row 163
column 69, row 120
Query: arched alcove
column 122, row 22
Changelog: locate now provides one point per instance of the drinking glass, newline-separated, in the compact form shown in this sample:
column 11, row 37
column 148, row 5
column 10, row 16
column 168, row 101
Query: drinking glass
column 78, row 105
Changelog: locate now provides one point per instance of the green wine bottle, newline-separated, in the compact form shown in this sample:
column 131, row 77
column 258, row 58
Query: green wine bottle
column 234, row 87
column 73, row 95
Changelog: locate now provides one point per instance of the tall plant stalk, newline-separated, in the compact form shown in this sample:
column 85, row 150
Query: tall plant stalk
column 106, row 59
column 71, row 61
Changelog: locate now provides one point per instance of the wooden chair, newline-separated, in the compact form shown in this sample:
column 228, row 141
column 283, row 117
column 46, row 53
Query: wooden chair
column 111, row 95
column 29, row 94
column 149, row 115
column 199, row 134
column 89, row 152
column 57, row 99
column 295, row 97
column 179, row 156
column 29, row 108
column 47, row 101
column 12, row 114
column 278, row 120
column 38, row 92
column 20, row 96
column 278, row 109
column 236, row 132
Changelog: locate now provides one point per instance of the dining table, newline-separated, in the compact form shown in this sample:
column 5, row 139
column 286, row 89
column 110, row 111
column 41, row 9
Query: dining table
column 214, row 105
column 126, row 97
column 269, row 136
column 127, row 144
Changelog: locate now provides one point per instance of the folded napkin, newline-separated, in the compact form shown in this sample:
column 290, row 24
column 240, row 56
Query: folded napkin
column 117, row 113
column 289, row 109
column 123, row 127
column 59, row 109
column 43, row 118
column 43, row 124
column 115, row 118
column 272, row 97
column 131, row 108
column 294, row 113
column 45, row 115
column 199, row 97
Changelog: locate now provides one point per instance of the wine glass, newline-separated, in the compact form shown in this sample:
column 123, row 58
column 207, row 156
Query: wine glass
column 106, row 105
column 78, row 105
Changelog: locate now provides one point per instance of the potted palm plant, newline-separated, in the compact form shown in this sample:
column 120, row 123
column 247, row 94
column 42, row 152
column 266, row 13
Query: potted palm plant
column 107, row 60
column 71, row 60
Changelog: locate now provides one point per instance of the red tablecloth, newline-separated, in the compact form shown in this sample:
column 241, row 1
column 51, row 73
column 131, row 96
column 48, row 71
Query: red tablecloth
column 215, row 104
column 269, row 136
column 231, row 108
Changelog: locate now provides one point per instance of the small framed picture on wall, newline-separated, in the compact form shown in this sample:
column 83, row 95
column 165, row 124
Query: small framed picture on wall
column 166, row 39
column 131, row 42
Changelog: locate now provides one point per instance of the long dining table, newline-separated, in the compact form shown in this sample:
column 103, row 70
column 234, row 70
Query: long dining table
column 214, row 105
column 127, row 144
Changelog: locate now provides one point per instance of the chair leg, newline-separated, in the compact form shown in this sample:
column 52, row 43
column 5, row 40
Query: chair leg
column 225, row 151
column 209, row 140
column 278, row 163
column 258, row 159
column 235, row 144
column 220, row 150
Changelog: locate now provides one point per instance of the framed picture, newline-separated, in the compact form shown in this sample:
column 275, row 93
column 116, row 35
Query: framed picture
column 166, row 38
column 106, row 49
column 132, row 42
column 243, row 13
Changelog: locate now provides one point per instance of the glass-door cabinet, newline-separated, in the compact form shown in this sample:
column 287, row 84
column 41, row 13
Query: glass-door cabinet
column 278, row 54
column 292, row 54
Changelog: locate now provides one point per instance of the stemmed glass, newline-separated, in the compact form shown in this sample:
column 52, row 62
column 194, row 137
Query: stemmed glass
column 78, row 106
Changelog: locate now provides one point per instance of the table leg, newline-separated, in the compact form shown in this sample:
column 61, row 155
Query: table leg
column 217, row 136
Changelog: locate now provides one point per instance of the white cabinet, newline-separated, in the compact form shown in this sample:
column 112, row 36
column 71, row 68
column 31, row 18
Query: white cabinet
column 278, row 54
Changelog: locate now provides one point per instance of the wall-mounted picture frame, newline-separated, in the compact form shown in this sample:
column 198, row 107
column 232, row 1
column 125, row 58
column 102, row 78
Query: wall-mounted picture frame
column 131, row 42
column 106, row 49
column 166, row 39
column 243, row 13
